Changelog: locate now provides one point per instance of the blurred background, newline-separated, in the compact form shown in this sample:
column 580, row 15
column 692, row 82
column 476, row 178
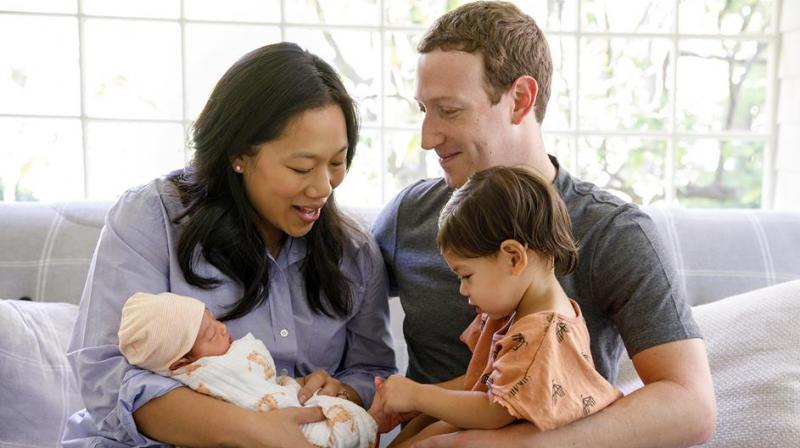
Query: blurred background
column 686, row 103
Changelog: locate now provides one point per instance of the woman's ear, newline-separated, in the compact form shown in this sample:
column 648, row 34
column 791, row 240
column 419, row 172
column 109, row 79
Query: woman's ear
column 516, row 254
column 237, row 164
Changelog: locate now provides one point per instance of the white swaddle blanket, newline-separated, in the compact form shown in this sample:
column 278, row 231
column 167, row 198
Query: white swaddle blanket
column 245, row 376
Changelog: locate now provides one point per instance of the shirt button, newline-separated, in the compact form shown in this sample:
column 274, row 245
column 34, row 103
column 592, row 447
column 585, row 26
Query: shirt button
column 284, row 333
column 284, row 372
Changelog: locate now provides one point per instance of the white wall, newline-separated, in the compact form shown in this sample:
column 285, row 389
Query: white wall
column 787, row 160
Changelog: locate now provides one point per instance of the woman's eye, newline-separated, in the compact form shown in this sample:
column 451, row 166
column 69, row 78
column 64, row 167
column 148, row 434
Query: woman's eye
column 299, row 170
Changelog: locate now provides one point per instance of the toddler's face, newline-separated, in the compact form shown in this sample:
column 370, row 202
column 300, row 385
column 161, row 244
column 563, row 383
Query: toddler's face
column 486, row 282
column 212, row 339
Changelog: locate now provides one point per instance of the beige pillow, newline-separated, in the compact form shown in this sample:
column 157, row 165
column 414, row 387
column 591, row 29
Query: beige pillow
column 753, row 343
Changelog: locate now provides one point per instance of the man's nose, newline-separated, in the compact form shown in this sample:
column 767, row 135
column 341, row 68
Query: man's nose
column 431, row 136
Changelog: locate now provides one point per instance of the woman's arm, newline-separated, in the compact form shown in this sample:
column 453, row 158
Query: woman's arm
column 464, row 409
column 370, row 350
column 186, row 418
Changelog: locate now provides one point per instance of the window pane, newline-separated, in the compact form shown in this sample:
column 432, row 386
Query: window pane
column 59, row 6
column 39, row 71
column 719, row 173
column 722, row 85
column 42, row 159
column 551, row 15
column 628, row 16
column 133, row 78
column 562, row 147
column 631, row 168
column 356, row 57
column 725, row 16
column 123, row 155
column 401, row 78
column 234, row 10
column 406, row 162
column 625, row 83
column 212, row 49
column 559, row 114
column 170, row 9
column 416, row 12
column 351, row 12
column 362, row 185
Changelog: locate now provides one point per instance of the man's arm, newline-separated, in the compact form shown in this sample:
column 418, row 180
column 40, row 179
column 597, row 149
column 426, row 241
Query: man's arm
column 675, row 408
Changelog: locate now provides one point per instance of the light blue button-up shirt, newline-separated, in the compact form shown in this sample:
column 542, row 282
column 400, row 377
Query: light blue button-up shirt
column 137, row 251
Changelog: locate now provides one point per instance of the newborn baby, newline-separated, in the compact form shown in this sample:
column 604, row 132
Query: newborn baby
column 177, row 336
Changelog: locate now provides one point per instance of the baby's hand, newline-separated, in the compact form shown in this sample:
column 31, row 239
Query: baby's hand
column 386, row 420
column 399, row 394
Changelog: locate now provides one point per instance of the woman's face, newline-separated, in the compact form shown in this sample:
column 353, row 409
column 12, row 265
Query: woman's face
column 290, row 178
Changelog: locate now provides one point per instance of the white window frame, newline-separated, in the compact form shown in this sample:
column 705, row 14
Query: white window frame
column 672, row 135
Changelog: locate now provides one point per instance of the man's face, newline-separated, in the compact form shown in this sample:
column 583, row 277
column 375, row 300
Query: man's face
column 460, row 123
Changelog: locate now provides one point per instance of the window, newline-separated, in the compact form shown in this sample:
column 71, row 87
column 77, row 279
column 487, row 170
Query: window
column 661, row 101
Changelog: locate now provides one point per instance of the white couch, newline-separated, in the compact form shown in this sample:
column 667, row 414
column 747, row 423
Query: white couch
column 753, row 340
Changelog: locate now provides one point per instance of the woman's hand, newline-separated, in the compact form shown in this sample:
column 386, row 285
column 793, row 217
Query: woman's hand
column 327, row 385
column 280, row 428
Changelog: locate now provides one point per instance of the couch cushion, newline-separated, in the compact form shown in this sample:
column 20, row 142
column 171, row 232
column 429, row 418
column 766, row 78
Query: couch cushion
column 45, row 249
column 753, row 343
column 719, row 253
column 37, row 389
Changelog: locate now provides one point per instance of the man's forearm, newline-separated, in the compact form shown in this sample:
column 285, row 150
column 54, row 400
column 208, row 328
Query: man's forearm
column 464, row 409
column 663, row 414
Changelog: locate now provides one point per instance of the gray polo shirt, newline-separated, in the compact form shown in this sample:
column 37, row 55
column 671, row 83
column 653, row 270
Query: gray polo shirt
column 624, row 282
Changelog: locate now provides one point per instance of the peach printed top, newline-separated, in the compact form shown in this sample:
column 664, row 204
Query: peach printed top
column 539, row 367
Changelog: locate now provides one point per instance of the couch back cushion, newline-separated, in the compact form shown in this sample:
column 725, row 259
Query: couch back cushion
column 720, row 253
column 45, row 249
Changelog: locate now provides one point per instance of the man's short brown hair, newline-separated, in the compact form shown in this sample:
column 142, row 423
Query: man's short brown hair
column 508, row 203
column 511, row 43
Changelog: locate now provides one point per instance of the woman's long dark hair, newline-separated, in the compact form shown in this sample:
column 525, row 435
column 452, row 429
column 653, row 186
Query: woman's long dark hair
column 252, row 104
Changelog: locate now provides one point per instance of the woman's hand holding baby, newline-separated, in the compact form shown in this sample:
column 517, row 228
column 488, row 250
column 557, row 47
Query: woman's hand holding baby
column 320, row 380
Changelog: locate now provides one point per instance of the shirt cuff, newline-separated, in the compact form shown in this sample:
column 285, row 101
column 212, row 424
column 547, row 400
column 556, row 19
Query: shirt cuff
column 139, row 387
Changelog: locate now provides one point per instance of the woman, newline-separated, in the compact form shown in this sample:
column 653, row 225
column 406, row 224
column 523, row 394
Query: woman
column 252, row 230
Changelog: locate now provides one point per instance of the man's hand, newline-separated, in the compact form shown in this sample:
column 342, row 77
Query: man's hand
column 386, row 420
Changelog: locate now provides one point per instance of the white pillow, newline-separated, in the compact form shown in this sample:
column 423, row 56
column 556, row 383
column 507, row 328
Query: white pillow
column 37, row 388
column 753, row 343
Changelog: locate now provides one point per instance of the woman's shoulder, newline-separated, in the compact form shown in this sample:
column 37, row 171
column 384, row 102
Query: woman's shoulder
column 156, row 202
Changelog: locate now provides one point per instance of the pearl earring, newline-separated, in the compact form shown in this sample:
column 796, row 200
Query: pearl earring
column 237, row 168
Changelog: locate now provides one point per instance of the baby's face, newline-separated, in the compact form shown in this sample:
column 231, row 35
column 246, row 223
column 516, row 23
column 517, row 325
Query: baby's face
column 212, row 339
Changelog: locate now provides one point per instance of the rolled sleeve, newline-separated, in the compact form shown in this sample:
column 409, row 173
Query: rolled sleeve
column 369, row 341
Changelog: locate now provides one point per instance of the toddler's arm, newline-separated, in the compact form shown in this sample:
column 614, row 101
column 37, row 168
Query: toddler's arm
column 464, row 409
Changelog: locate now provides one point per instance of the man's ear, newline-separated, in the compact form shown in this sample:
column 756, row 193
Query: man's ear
column 185, row 361
column 523, row 91
column 516, row 254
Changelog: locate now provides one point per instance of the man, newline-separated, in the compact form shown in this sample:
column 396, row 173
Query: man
column 483, row 84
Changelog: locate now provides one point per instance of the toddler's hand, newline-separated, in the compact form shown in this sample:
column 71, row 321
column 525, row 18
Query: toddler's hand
column 399, row 394
column 386, row 420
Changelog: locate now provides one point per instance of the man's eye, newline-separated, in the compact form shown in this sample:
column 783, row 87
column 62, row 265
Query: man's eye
column 300, row 171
